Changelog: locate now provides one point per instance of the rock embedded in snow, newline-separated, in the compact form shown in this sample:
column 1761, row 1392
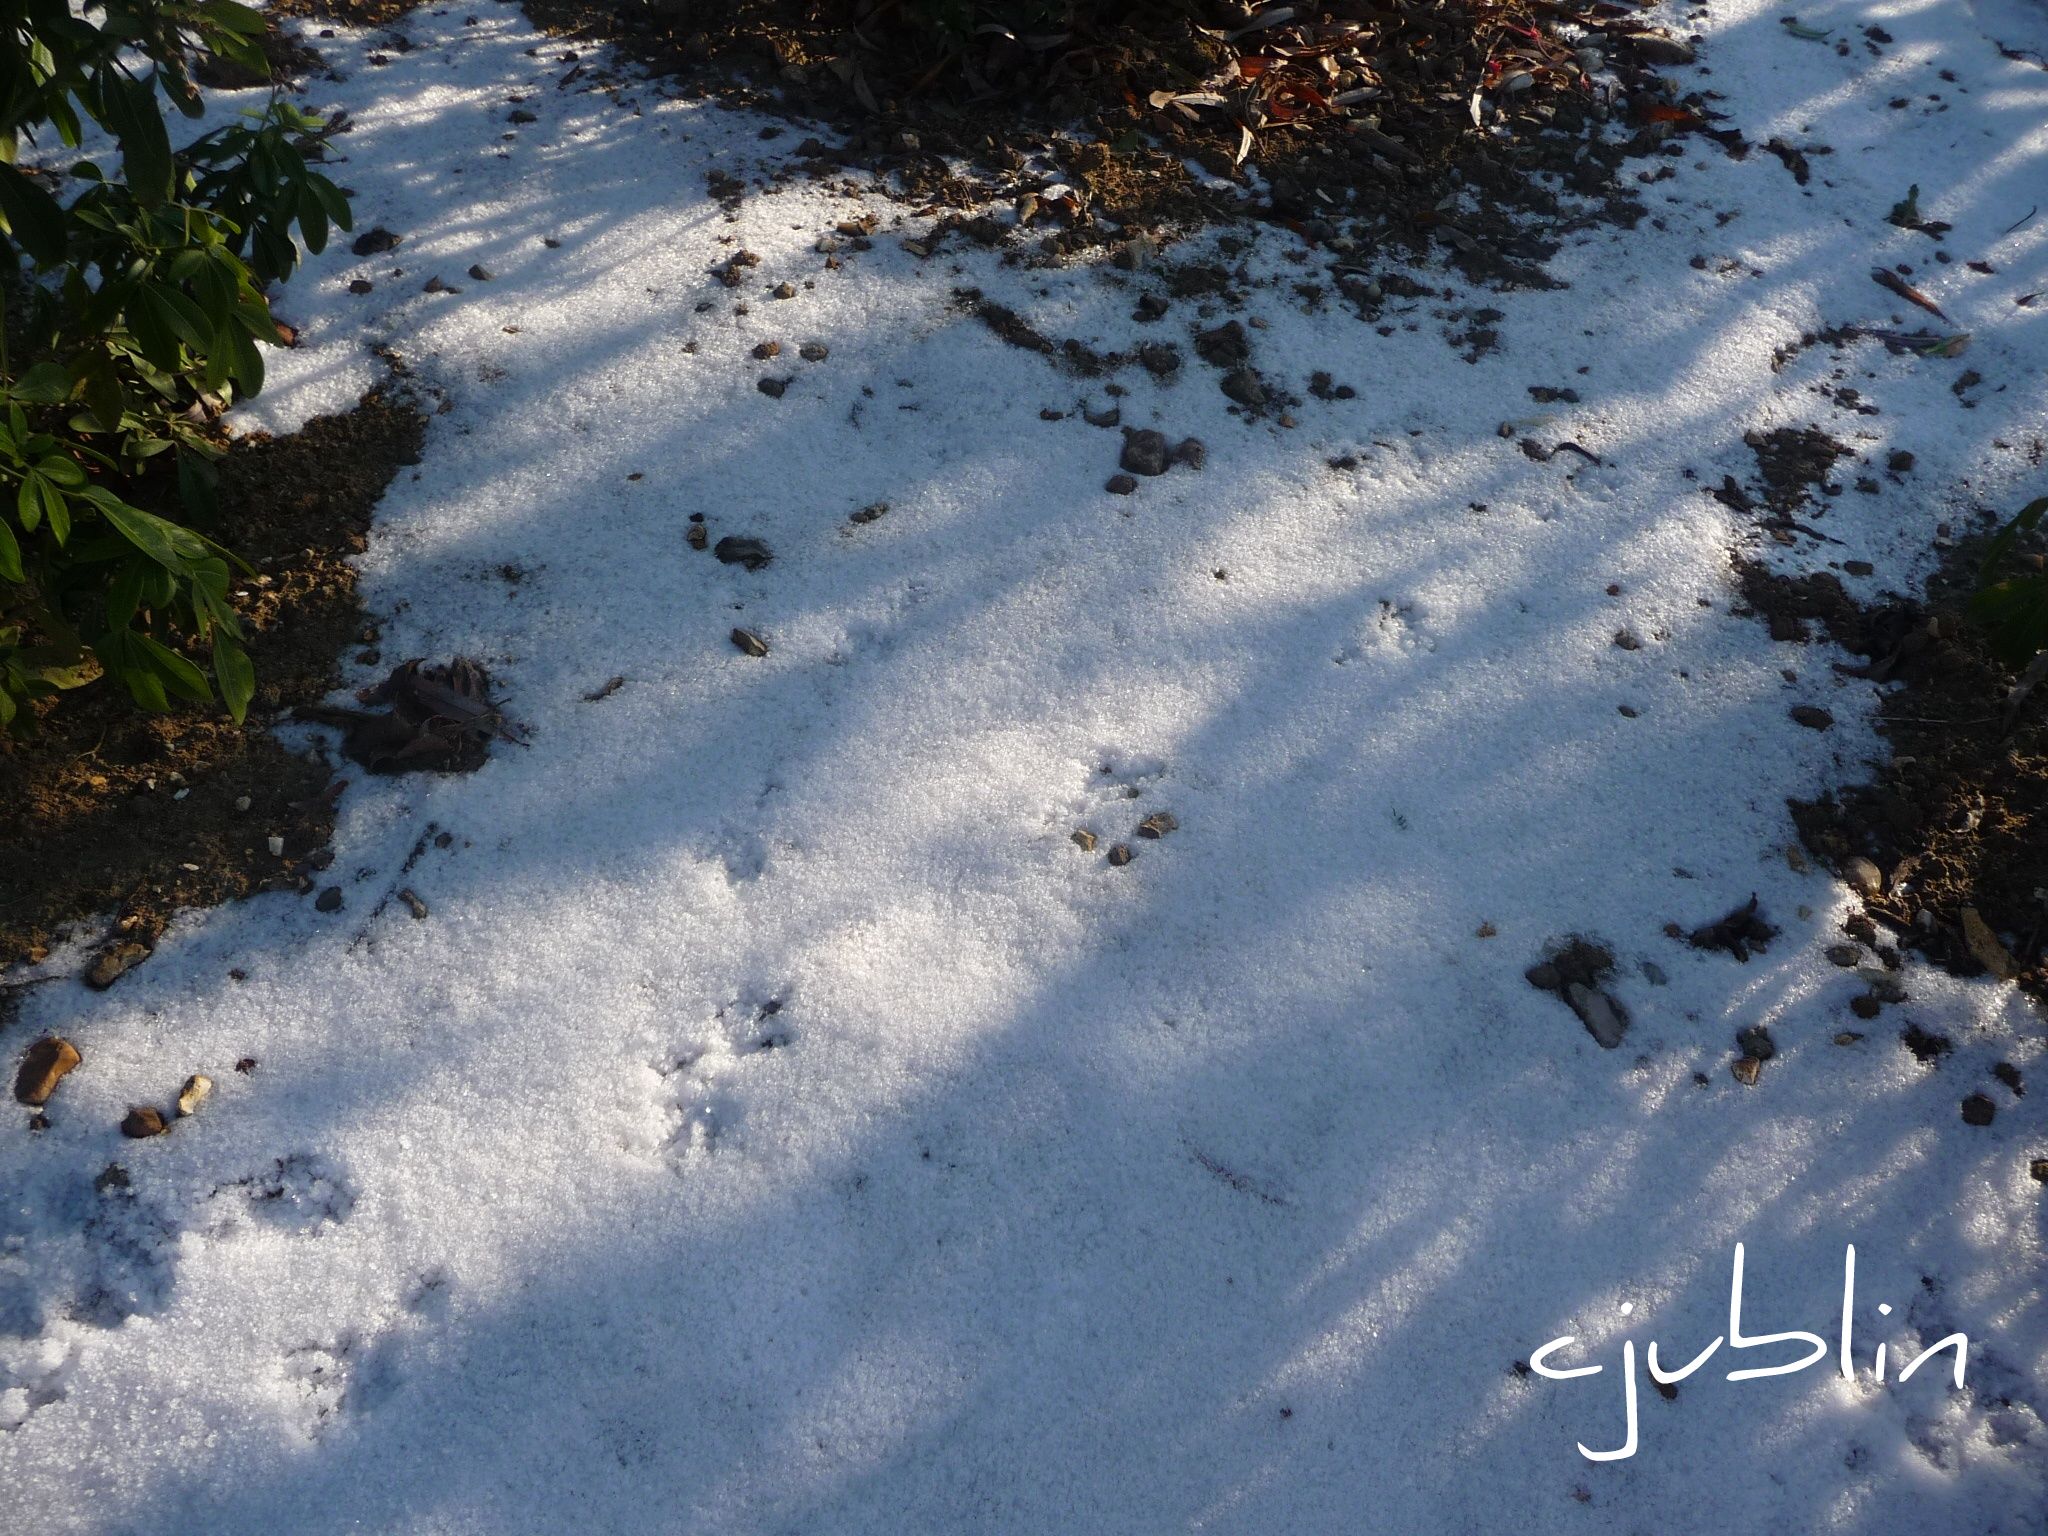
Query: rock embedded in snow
column 749, row 642
column 1191, row 452
column 142, row 1122
column 1120, row 485
column 114, row 962
column 1084, row 840
column 1144, row 451
column 741, row 549
column 328, row 900
column 1121, row 854
column 1979, row 1110
column 198, row 1087
column 1604, row 1018
column 481, row 273
column 1746, row 1070
column 1812, row 716
column 1160, row 358
column 1158, row 824
column 43, row 1066
column 375, row 241
column 1245, row 387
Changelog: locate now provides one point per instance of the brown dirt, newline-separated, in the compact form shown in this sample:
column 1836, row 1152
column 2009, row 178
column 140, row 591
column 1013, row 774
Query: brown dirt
column 90, row 819
column 1353, row 183
column 1958, row 818
column 347, row 13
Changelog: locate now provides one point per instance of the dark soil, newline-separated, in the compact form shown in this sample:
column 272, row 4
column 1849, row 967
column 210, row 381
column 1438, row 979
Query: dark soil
column 91, row 815
column 347, row 13
column 1958, row 818
column 915, row 109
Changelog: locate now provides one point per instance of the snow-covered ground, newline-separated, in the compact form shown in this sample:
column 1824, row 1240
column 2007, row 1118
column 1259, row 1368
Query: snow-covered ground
column 780, row 1124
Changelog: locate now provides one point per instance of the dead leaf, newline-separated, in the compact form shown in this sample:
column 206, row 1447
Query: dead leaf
column 1984, row 945
column 1886, row 278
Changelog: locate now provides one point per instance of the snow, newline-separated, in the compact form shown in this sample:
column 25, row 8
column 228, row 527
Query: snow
column 779, row 1124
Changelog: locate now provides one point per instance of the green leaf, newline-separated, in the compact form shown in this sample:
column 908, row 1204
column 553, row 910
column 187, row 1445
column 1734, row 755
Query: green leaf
column 31, row 217
column 179, row 674
column 237, row 678
column 245, row 363
column 28, row 503
column 184, row 318
column 44, row 384
column 145, row 147
column 331, row 199
column 146, row 687
column 124, row 592
column 10, row 555
column 312, row 219
column 170, row 546
column 61, row 470
column 58, row 511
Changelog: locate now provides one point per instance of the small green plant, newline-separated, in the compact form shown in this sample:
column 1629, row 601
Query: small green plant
column 130, row 317
column 2013, row 606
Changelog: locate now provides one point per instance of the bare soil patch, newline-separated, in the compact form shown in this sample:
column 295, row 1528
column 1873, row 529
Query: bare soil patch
column 107, row 809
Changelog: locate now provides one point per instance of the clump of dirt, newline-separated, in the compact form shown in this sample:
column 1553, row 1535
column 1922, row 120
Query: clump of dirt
column 109, row 809
column 1956, row 822
column 1791, row 461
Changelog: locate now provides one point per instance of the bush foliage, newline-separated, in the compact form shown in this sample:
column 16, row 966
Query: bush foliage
column 132, row 316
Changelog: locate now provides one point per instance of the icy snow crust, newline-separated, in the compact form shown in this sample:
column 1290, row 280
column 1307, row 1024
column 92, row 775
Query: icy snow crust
column 780, row 1125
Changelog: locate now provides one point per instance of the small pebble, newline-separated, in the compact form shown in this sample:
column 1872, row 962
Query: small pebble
column 43, row 1066
column 1747, row 1069
column 1979, row 1110
column 1084, row 840
column 197, row 1087
column 142, row 1122
column 749, row 642
column 328, row 900
column 1121, row 855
